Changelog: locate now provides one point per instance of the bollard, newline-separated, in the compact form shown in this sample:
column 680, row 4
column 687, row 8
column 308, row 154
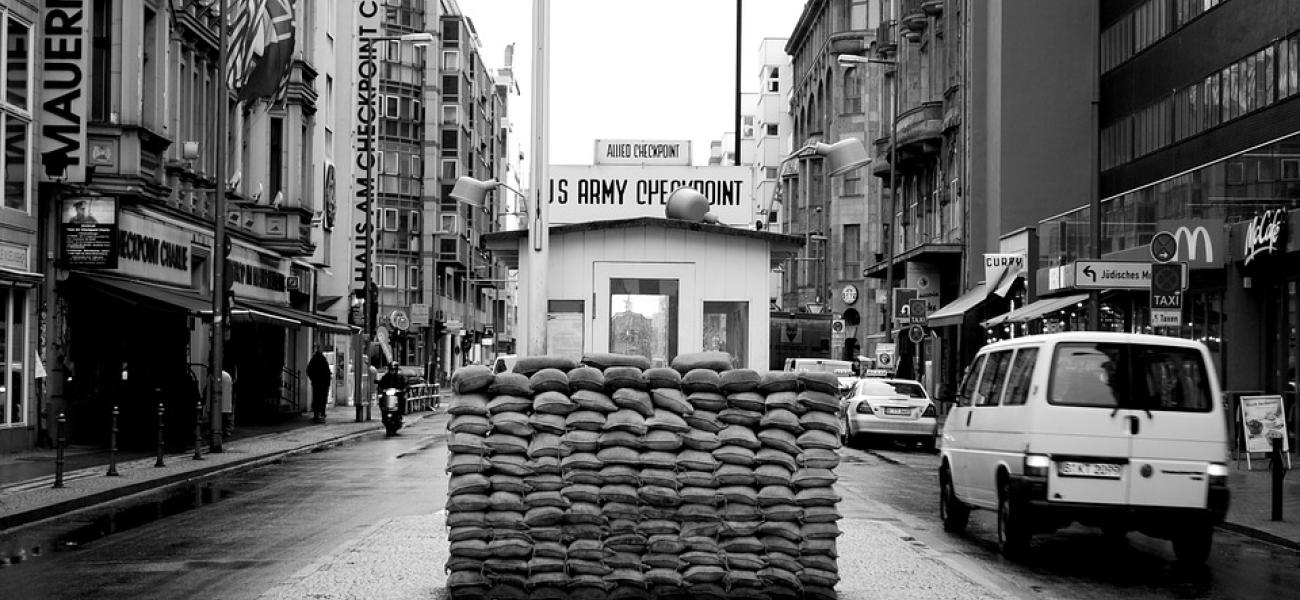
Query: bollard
column 198, row 430
column 1278, row 473
column 61, row 440
column 112, row 445
column 160, row 436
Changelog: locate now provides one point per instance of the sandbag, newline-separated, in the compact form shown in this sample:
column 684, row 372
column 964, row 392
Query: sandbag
column 605, row 360
column 738, row 494
column 625, row 439
column 817, row 439
column 665, row 577
column 711, row 361
column 735, row 435
column 751, row 401
column 586, row 378
column 510, row 384
column 663, row 377
column 772, row 456
column 580, row 441
column 820, row 381
column 513, row 423
column 531, row 365
column 702, row 381
column 702, row 479
column 594, row 400
column 736, row 381
column 697, row 574
column 780, row 418
column 769, row 474
column 545, row 465
column 820, row 531
column 509, row 404
column 553, row 403
column 748, row 419
column 468, row 404
column 710, row 401
column 460, row 464
column 510, row 548
column 698, row 495
column 464, row 579
column 777, row 513
column 778, row 381
column 818, row 578
column 780, row 439
column 463, row 532
column 588, row 550
column 546, row 564
column 666, row 421
column 780, row 543
column 672, row 400
column 633, row 543
column 658, row 460
column 545, row 444
column 471, row 379
column 620, row 378
column 741, row 545
column 663, row 477
column 550, row 498
column 582, row 477
column 789, row 562
column 745, row 561
column 589, row 420
column 665, row 544
column 821, row 514
column 508, row 483
column 784, row 401
column 810, row 478
column 618, row 493
column 820, row 421
column 504, row 443
column 735, row 475
column 634, row 399
column 819, row 458
column 587, row 567
column 820, row 401
column 696, row 439
column 790, row 531
column 623, row 560
column 704, row 420
column 622, row 516
column 658, row 527
column 544, row 483
column 700, row 461
column 770, row 495
column 780, row 577
column 467, row 518
column 581, row 460
column 470, row 483
column 658, row 439
column 511, row 464
column 736, row 455
column 584, row 513
column 467, row 502
column 547, row 379
column 625, row 577
column 817, row 497
column 620, row 474
column 505, row 519
column 581, row 493
column 469, row 423
column 548, row 423
column 701, row 543
column 618, row 456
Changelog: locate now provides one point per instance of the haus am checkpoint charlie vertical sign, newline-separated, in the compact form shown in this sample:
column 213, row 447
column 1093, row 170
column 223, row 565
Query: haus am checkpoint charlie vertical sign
column 582, row 194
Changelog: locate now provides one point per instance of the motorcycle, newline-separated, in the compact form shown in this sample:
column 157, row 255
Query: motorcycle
column 390, row 409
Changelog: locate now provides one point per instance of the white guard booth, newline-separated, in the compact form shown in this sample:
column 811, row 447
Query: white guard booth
column 654, row 287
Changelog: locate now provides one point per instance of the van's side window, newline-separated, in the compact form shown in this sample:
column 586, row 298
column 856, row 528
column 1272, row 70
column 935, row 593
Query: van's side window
column 967, row 390
column 1021, row 377
column 995, row 374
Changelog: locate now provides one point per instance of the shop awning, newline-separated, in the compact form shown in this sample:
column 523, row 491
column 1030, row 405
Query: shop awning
column 1035, row 310
column 17, row 278
column 953, row 312
column 293, row 316
column 156, row 295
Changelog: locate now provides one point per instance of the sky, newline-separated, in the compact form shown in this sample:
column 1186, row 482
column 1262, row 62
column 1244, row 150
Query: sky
column 625, row 69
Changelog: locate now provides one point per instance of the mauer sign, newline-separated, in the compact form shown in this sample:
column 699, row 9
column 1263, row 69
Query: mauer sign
column 643, row 152
column 581, row 194
column 64, row 70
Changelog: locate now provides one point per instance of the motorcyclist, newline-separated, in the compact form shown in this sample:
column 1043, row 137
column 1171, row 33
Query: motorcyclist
column 393, row 379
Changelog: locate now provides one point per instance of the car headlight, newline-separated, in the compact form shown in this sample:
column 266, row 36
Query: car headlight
column 1036, row 465
column 1217, row 473
column 865, row 409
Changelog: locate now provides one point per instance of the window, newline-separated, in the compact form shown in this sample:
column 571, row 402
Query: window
column 390, row 219
column 17, row 61
column 451, row 114
column 967, row 390
column 394, row 50
column 413, row 221
column 101, row 62
column 769, row 172
column 451, row 60
column 1021, row 377
column 450, row 168
column 726, row 329
column 275, row 175
column 450, row 87
column 413, row 278
column 772, row 129
column 417, row 168
column 852, row 183
column 392, row 162
column 643, row 318
column 13, row 351
column 852, row 249
column 390, row 106
column 773, row 85
column 1130, row 376
column 448, row 224
column 417, row 111
column 17, row 161
column 450, row 31
column 388, row 276
column 852, row 91
column 995, row 374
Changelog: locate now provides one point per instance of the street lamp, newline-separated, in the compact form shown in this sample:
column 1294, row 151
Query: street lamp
column 850, row 59
column 841, row 157
column 474, row 192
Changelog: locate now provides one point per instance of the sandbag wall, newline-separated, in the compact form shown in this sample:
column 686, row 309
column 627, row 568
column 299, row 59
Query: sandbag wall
column 629, row 483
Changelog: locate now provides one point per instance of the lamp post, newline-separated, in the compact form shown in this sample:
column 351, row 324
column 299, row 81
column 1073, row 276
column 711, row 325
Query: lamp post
column 368, row 142
column 217, row 355
column 893, row 199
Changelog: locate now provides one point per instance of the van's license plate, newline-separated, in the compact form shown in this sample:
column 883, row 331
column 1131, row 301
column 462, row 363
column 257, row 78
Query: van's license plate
column 1089, row 469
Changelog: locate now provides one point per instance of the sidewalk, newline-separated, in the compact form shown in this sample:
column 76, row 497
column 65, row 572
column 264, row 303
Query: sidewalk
column 27, row 495
column 1251, row 510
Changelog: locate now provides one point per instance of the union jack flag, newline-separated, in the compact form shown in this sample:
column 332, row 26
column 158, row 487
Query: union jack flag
column 260, row 52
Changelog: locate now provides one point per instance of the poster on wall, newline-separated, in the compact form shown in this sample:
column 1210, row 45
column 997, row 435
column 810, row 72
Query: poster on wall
column 564, row 334
column 1263, row 417
column 89, row 228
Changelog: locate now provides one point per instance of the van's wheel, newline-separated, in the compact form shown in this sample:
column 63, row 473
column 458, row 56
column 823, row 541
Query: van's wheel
column 1192, row 547
column 1013, row 526
column 952, row 511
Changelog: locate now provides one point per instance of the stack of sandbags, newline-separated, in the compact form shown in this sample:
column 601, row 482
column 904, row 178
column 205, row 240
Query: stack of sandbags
column 615, row 480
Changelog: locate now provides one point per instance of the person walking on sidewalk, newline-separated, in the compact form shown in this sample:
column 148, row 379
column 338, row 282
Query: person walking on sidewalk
column 227, row 404
column 318, row 372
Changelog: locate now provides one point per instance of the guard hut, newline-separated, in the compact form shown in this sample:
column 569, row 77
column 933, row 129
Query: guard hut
column 656, row 287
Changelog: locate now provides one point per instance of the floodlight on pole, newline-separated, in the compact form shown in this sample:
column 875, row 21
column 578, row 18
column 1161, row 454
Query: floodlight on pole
column 841, row 157
column 474, row 192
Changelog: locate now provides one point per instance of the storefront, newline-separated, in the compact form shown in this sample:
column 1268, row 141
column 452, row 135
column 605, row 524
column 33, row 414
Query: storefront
column 655, row 287
column 20, row 408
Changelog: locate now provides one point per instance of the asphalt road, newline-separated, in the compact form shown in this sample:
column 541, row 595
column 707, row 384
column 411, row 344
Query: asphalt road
column 363, row 520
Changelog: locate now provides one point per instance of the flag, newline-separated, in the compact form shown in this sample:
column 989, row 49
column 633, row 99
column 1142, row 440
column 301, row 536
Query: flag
column 260, row 55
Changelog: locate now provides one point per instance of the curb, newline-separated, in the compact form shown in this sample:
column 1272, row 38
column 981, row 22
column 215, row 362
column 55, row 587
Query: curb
column 1260, row 534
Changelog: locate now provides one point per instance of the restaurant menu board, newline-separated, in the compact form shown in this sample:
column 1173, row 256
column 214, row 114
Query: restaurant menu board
column 1261, row 415
column 89, row 228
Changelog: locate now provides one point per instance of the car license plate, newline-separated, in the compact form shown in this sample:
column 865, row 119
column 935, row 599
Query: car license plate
column 902, row 412
column 1089, row 469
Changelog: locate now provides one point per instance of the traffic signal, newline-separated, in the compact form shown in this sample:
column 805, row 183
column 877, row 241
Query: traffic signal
column 439, row 328
column 372, row 304
column 227, row 282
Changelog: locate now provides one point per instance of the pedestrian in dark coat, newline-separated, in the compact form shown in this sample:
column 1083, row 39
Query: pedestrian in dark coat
column 318, row 372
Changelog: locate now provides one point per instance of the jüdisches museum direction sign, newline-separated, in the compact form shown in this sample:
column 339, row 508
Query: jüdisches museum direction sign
column 581, row 194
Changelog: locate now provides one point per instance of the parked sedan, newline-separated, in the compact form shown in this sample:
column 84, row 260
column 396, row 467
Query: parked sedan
column 891, row 408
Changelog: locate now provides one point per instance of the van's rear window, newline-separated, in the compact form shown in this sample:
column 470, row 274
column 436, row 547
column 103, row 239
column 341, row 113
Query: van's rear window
column 1129, row 376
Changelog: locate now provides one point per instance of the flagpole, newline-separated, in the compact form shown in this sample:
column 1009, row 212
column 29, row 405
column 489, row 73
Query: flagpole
column 218, row 254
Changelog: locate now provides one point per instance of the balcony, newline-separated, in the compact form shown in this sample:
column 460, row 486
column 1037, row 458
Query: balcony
column 886, row 43
column 914, row 20
column 453, row 250
column 932, row 7
column 921, row 126
column 880, row 157
column 848, row 42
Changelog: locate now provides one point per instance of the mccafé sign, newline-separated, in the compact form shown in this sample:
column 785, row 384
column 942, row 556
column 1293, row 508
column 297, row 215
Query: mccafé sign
column 1265, row 235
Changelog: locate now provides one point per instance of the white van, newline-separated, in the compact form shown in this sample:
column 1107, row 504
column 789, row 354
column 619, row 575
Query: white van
column 1118, row 431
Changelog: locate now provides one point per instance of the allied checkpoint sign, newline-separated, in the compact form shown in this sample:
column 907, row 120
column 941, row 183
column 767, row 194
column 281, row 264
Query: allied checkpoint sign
column 582, row 194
